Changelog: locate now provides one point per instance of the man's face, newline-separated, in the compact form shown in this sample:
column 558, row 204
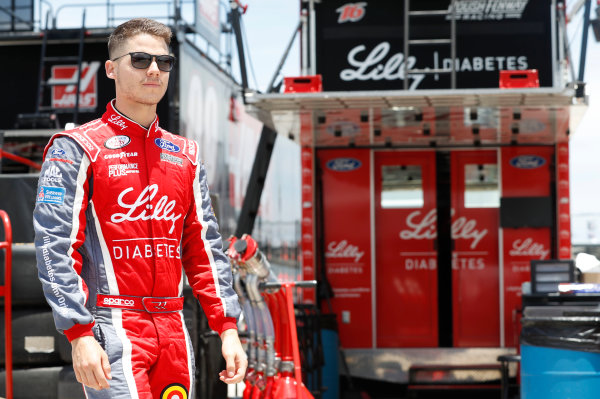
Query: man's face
column 142, row 86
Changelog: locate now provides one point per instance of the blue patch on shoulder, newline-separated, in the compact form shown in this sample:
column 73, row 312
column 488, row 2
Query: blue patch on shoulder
column 51, row 195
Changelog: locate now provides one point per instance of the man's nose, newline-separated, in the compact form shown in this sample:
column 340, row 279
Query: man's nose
column 153, row 68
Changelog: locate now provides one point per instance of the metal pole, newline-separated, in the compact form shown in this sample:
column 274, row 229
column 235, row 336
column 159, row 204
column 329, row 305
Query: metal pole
column 313, row 38
column 284, row 57
column 453, row 45
column 304, row 22
column 406, row 38
column 79, row 68
column 235, row 23
column 258, row 175
column 584, row 39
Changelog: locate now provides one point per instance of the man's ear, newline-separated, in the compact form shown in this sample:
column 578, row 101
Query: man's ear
column 110, row 69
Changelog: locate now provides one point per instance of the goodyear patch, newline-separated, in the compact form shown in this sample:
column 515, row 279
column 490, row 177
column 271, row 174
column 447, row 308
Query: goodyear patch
column 51, row 195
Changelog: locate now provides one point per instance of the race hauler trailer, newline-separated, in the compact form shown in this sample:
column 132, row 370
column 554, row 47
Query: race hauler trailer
column 47, row 43
column 435, row 167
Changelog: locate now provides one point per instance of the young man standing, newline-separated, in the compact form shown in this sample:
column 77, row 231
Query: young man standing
column 122, row 207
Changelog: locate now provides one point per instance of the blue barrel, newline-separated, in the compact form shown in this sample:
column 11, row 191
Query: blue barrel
column 550, row 373
column 330, row 372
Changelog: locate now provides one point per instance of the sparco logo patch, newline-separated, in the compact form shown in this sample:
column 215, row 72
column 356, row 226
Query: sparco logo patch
column 61, row 160
column 118, row 302
column 116, row 142
column 166, row 145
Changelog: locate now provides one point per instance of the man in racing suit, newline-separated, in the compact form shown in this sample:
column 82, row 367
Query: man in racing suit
column 122, row 206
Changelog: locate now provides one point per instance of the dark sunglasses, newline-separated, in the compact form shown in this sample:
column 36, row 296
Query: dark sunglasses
column 140, row 60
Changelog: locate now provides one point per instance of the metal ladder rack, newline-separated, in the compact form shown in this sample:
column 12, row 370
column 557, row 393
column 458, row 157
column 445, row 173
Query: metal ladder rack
column 408, row 42
column 75, row 80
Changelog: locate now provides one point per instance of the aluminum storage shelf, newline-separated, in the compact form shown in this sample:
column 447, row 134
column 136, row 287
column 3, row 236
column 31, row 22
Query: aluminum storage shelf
column 545, row 97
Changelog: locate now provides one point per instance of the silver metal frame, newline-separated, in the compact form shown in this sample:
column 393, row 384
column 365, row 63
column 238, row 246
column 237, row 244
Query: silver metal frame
column 313, row 39
column 500, row 255
column 556, row 65
column 373, row 254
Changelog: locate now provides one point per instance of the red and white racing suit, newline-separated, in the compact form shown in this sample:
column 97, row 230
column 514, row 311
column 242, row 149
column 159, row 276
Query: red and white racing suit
column 120, row 210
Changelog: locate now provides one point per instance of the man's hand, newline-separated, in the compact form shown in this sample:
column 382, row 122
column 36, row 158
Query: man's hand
column 90, row 363
column 235, row 357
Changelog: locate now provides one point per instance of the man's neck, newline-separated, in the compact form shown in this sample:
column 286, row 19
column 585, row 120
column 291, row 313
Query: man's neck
column 140, row 113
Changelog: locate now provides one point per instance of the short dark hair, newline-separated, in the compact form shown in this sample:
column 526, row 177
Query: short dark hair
column 134, row 27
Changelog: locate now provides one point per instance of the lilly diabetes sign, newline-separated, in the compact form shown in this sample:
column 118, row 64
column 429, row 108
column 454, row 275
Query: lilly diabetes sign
column 360, row 45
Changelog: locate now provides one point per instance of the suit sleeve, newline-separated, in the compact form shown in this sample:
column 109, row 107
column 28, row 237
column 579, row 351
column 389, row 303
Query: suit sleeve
column 206, row 266
column 59, row 223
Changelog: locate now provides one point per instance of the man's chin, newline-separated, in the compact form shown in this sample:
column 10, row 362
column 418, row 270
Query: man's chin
column 150, row 99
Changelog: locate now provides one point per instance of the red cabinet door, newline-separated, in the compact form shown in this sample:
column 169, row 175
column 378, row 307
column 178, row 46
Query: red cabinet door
column 405, row 233
column 475, row 224
column 345, row 176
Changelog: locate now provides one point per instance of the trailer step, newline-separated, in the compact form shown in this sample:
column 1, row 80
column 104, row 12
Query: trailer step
column 455, row 376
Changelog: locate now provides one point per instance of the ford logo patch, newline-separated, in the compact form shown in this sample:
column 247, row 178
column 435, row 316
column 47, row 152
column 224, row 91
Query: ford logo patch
column 527, row 161
column 166, row 145
column 58, row 152
column 344, row 164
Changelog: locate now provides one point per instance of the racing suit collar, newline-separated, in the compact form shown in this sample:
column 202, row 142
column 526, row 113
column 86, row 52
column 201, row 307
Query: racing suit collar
column 123, row 125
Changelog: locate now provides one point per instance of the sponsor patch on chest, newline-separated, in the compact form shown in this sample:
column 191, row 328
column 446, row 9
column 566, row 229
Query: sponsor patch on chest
column 116, row 142
column 171, row 158
column 122, row 169
column 166, row 145
column 120, row 155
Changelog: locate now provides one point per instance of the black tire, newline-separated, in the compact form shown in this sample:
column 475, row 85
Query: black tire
column 64, row 349
column 34, row 383
column 26, row 287
column 35, row 339
column 18, row 200
column 68, row 387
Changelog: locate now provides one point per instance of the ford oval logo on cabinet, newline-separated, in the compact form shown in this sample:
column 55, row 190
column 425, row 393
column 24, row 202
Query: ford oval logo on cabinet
column 527, row 161
column 344, row 164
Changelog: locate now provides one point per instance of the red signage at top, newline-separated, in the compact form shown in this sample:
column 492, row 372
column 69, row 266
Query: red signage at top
column 63, row 96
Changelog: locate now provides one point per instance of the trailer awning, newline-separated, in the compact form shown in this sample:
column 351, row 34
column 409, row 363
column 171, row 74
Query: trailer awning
column 421, row 118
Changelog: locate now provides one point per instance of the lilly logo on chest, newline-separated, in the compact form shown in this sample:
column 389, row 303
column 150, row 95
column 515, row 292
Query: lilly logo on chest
column 142, row 208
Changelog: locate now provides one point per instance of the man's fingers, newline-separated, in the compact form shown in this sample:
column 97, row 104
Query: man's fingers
column 106, row 366
column 90, row 379
column 77, row 375
column 230, row 365
column 99, row 377
column 241, row 365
